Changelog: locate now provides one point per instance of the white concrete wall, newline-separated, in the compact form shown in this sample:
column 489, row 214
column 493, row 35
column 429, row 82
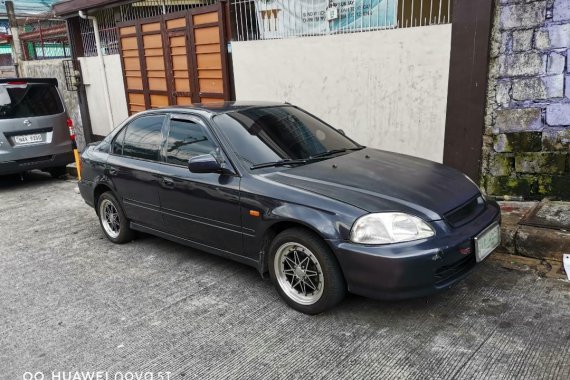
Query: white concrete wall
column 386, row 89
column 92, row 77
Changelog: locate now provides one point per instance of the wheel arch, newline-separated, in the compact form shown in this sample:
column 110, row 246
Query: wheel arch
column 97, row 191
column 275, row 229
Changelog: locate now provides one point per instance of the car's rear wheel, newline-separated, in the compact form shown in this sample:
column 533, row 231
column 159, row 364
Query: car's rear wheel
column 305, row 271
column 113, row 221
column 58, row 171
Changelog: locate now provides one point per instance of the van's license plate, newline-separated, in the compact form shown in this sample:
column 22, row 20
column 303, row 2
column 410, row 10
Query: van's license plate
column 28, row 139
column 487, row 241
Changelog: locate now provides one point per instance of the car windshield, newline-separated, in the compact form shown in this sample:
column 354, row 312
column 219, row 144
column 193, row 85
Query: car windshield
column 280, row 135
column 29, row 100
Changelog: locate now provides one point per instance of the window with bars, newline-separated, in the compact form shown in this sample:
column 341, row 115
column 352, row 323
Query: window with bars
column 44, row 37
column 108, row 18
column 274, row 19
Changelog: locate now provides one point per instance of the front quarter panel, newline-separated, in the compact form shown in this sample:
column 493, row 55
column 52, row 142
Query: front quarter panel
column 281, row 204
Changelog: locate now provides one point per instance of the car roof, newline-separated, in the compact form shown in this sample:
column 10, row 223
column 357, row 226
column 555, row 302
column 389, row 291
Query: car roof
column 212, row 109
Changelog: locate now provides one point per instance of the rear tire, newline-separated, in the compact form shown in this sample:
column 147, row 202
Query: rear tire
column 305, row 272
column 113, row 221
column 58, row 171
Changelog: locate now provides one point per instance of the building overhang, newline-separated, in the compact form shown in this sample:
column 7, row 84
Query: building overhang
column 69, row 8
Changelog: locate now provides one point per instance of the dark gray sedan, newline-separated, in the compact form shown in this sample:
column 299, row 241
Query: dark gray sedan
column 272, row 186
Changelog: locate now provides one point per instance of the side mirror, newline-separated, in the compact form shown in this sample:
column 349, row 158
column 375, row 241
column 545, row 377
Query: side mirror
column 341, row 132
column 207, row 163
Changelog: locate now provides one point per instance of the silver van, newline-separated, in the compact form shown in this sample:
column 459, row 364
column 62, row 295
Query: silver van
column 34, row 127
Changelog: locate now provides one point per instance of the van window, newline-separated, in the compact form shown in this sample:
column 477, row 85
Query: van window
column 29, row 100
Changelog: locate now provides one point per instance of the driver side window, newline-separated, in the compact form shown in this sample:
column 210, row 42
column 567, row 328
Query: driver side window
column 187, row 139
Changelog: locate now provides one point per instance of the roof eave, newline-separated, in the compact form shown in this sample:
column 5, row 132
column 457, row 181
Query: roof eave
column 70, row 8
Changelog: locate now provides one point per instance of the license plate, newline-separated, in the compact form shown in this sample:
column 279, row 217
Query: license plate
column 487, row 241
column 28, row 139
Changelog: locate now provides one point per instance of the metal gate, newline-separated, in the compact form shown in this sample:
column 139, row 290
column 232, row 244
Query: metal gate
column 175, row 59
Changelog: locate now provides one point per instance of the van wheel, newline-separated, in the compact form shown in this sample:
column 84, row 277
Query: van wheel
column 113, row 220
column 58, row 171
column 305, row 272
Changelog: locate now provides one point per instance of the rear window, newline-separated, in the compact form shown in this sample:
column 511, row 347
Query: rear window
column 29, row 100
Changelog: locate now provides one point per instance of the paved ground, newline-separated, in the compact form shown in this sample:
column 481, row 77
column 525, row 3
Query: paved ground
column 72, row 301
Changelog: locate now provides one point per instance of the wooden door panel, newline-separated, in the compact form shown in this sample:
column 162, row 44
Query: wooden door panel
column 211, row 85
column 176, row 23
column 127, row 30
column 205, row 18
column 134, row 83
column 183, row 100
column 129, row 43
column 209, row 35
column 136, row 102
column 152, row 27
column 152, row 41
column 206, row 100
column 159, row 101
column 175, row 59
column 209, row 48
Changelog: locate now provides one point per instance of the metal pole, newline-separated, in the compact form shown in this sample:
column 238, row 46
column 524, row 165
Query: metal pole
column 42, row 40
column 16, row 46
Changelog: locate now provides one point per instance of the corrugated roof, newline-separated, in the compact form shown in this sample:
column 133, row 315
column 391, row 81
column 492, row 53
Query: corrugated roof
column 29, row 7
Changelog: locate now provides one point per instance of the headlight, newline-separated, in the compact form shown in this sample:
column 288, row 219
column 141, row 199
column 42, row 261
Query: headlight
column 390, row 227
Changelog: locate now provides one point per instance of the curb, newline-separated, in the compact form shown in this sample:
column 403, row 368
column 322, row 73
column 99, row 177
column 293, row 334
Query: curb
column 543, row 268
column 532, row 241
column 72, row 170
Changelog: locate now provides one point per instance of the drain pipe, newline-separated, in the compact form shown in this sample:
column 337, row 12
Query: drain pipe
column 93, row 19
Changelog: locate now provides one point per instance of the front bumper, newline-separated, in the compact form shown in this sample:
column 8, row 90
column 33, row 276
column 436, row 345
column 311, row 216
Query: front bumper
column 413, row 269
column 43, row 162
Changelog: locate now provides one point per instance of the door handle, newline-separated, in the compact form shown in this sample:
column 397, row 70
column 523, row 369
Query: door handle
column 168, row 183
column 113, row 170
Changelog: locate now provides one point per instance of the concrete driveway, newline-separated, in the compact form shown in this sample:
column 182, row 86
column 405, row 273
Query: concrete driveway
column 72, row 302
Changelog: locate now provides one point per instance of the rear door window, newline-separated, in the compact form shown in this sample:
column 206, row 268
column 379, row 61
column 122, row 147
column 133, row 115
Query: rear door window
column 143, row 137
column 29, row 100
column 186, row 139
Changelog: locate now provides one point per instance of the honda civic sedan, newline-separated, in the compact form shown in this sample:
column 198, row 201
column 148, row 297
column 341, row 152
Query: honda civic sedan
column 274, row 187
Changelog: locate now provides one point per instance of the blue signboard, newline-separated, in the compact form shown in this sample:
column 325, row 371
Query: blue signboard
column 284, row 18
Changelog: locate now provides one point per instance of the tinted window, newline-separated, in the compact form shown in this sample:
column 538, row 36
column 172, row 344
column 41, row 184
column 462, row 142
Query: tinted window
column 29, row 101
column 267, row 134
column 118, row 142
column 187, row 139
column 143, row 138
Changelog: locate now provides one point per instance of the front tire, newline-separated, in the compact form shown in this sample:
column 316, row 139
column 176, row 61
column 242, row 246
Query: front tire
column 305, row 272
column 113, row 221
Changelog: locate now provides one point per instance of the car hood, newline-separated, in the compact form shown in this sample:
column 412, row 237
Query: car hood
column 377, row 181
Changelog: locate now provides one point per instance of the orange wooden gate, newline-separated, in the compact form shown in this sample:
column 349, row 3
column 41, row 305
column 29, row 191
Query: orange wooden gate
column 175, row 59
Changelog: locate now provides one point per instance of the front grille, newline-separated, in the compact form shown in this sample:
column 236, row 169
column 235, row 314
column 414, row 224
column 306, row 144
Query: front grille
column 466, row 212
column 31, row 161
column 446, row 273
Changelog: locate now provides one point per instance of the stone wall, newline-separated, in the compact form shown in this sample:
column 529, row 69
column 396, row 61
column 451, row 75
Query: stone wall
column 526, row 148
column 53, row 68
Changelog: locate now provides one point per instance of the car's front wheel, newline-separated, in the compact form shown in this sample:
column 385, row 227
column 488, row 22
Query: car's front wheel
column 305, row 271
column 113, row 221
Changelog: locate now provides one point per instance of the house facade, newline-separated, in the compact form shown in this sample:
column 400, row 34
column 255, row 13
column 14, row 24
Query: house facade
column 405, row 76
